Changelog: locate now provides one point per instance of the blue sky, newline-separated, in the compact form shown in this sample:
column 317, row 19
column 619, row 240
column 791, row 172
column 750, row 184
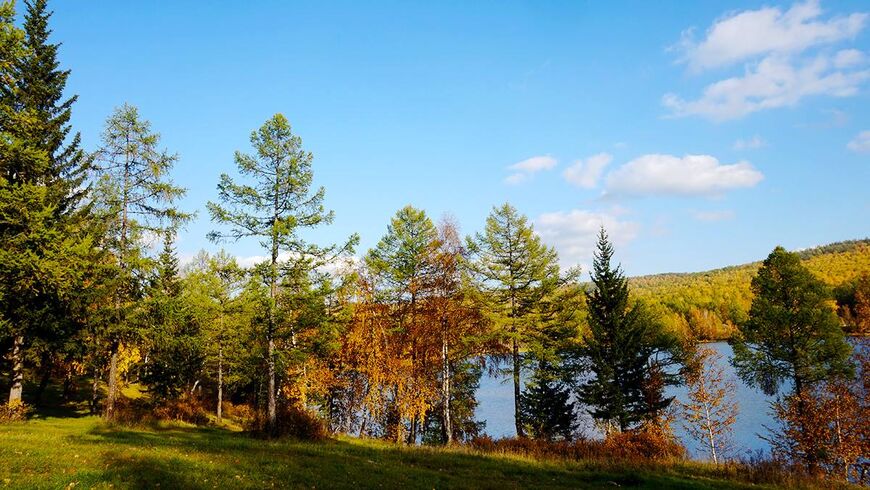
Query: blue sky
column 699, row 134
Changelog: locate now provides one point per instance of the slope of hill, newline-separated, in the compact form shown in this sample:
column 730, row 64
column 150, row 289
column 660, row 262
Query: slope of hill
column 709, row 304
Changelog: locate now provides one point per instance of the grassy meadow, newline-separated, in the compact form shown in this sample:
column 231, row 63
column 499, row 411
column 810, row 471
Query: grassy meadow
column 84, row 452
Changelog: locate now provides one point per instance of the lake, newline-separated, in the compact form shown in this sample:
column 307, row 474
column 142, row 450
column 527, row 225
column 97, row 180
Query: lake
column 496, row 408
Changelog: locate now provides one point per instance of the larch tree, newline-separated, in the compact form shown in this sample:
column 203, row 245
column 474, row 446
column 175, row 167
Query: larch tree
column 138, row 199
column 711, row 409
column 516, row 271
column 403, row 264
column 275, row 207
column 212, row 287
column 44, row 243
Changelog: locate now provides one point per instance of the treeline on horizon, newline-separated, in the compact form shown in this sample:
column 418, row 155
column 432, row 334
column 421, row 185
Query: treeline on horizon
column 392, row 346
column 709, row 305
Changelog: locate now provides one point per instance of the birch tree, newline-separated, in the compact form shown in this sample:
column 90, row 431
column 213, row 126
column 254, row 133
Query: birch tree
column 712, row 408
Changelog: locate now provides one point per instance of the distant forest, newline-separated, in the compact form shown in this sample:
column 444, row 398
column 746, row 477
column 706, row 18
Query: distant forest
column 709, row 305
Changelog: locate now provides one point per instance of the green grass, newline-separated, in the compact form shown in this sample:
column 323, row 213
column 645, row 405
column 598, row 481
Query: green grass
column 83, row 452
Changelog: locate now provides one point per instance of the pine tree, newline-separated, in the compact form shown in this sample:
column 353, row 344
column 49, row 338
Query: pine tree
column 275, row 207
column 137, row 199
column 516, row 272
column 793, row 333
column 626, row 350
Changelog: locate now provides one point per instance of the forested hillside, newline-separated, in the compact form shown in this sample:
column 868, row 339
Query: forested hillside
column 710, row 304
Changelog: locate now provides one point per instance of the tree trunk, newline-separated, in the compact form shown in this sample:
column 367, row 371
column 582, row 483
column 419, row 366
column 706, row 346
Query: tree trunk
column 17, row 369
column 113, row 383
column 220, row 400
column 517, row 415
column 68, row 384
column 446, row 427
column 272, row 408
column 95, row 393
column 45, row 366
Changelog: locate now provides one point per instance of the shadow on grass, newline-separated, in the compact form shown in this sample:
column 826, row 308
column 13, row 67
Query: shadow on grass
column 206, row 458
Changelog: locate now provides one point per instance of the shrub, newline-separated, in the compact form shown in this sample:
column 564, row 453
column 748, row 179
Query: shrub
column 14, row 411
column 140, row 411
column 185, row 409
column 635, row 446
column 645, row 444
column 294, row 422
column 242, row 412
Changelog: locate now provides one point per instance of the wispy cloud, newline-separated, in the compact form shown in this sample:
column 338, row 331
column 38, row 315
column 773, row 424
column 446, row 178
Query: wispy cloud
column 586, row 173
column 713, row 216
column 861, row 143
column 750, row 144
column 773, row 83
column 573, row 233
column 524, row 170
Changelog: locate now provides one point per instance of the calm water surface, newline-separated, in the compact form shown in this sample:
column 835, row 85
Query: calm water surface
column 496, row 407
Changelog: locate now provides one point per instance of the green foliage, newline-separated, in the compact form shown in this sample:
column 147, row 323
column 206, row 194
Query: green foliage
column 793, row 333
column 464, row 382
column 517, row 273
column 626, row 349
column 275, row 207
column 710, row 305
column 402, row 258
column 547, row 411
column 171, row 337
column 45, row 244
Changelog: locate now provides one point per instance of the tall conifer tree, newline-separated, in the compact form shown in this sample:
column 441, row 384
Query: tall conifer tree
column 44, row 243
column 517, row 271
column 138, row 200
column 275, row 207
column 625, row 349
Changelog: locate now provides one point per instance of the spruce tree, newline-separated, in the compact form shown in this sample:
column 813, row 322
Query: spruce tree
column 171, row 336
column 625, row 349
column 548, row 412
column 45, row 244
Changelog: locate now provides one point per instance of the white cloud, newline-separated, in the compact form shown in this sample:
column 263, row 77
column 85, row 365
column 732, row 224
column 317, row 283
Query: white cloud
column 749, row 34
column 585, row 173
column 849, row 57
column 574, row 233
column 712, row 216
column 524, row 170
column 689, row 175
column 777, row 71
column 340, row 264
column 750, row 144
column 861, row 143
column 774, row 82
